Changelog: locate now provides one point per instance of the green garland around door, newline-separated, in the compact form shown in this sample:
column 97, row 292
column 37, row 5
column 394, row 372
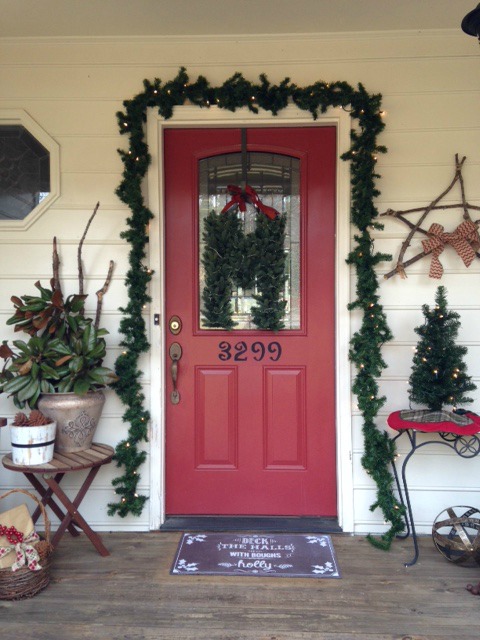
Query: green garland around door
column 365, row 352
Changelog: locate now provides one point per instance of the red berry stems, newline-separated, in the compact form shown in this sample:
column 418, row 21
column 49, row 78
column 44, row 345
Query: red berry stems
column 13, row 535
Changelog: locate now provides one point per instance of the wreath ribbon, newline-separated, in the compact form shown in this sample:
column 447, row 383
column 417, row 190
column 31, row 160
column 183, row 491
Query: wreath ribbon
column 464, row 240
column 241, row 197
column 25, row 553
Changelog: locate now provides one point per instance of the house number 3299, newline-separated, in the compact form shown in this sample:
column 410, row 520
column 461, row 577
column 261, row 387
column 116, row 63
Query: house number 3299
column 241, row 352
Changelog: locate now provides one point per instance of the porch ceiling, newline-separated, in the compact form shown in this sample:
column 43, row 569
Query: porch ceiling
column 27, row 18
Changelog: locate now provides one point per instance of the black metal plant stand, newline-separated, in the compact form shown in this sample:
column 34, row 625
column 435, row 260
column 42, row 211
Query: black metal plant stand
column 466, row 446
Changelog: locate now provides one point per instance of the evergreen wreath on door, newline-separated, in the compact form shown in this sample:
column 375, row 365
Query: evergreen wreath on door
column 255, row 260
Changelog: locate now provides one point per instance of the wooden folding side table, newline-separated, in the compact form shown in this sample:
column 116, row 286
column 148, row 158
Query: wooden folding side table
column 52, row 473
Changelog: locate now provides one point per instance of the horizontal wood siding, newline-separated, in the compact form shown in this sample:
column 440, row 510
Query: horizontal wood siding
column 430, row 86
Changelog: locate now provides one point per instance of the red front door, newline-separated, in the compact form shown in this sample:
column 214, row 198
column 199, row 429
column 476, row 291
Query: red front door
column 253, row 431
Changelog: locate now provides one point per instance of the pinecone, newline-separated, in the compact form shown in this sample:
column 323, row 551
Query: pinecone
column 37, row 419
column 20, row 420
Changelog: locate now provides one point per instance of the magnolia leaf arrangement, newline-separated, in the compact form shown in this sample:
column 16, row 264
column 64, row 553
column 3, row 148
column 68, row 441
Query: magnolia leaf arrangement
column 65, row 349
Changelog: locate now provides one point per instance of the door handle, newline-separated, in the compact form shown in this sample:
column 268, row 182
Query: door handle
column 175, row 355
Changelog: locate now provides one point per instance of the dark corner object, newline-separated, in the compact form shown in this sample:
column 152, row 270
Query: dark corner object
column 471, row 23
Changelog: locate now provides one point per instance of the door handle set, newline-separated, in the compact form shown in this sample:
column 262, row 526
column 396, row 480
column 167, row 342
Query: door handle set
column 175, row 352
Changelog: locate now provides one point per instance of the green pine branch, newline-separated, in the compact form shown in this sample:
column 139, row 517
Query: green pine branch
column 224, row 241
column 268, row 241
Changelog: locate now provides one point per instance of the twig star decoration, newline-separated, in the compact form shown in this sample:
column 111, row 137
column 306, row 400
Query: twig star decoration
column 464, row 239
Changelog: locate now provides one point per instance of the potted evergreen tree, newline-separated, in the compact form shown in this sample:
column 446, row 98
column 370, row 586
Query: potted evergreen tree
column 59, row 368
column 439, row 373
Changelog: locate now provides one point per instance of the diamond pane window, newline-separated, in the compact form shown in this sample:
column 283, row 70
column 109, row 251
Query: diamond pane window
column 24, row 172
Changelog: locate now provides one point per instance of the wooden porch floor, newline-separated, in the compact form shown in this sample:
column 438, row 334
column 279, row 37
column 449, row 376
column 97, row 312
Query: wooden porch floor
column 130, row 595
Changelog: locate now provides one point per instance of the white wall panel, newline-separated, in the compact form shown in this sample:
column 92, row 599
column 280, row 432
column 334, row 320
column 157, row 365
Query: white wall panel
column 95, row 257
column 426, row 506
column 411, row 110
column 171, row 51
column 68, row 224
column 80, row 117
column 423, row 183
column 418, row 289
column 90, row 154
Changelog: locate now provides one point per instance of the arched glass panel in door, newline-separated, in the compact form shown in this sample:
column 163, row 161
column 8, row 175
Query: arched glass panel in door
column 276, row 180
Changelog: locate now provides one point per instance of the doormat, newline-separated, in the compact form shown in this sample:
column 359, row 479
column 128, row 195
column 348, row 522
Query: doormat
column 244, row 554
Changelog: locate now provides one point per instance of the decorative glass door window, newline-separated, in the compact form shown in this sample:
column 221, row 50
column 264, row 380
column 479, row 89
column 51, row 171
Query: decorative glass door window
column 276, row 180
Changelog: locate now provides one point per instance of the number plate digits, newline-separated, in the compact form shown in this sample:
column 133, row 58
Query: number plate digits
column 241, row 352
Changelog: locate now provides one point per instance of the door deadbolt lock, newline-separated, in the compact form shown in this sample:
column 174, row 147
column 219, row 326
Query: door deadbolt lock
column 175, row 325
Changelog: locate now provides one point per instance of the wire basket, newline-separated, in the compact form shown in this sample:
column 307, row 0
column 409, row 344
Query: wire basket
column 24, row 583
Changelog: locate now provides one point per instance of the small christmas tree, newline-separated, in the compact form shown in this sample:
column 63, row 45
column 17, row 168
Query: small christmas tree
column 439, row 375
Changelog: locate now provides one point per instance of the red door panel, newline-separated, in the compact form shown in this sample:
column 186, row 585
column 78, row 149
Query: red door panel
column 254, row 430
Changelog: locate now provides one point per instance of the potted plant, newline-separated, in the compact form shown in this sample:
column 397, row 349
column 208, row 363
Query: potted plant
column 32, row 438
column 59, row 368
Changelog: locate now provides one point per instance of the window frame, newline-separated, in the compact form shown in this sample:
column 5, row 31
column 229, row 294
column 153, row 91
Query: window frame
column 19, row 117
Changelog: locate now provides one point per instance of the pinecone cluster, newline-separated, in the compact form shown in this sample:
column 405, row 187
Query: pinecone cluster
column 36, row 419
column 20, row 420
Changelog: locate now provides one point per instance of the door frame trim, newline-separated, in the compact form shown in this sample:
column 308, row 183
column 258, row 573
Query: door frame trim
column 192, row 116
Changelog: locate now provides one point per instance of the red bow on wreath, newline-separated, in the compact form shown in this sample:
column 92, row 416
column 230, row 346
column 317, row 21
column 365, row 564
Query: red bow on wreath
column 240, row 199
column 464, row 240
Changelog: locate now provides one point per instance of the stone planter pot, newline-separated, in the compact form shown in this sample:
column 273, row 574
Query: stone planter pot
column 76, row 416
column 32, row 444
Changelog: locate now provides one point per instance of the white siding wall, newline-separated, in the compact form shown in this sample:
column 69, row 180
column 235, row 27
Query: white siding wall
column 430, row 88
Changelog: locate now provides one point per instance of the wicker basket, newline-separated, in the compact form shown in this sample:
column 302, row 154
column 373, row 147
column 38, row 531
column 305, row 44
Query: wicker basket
column 16, row 585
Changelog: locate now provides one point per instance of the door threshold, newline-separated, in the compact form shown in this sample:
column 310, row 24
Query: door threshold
column 269, row 524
